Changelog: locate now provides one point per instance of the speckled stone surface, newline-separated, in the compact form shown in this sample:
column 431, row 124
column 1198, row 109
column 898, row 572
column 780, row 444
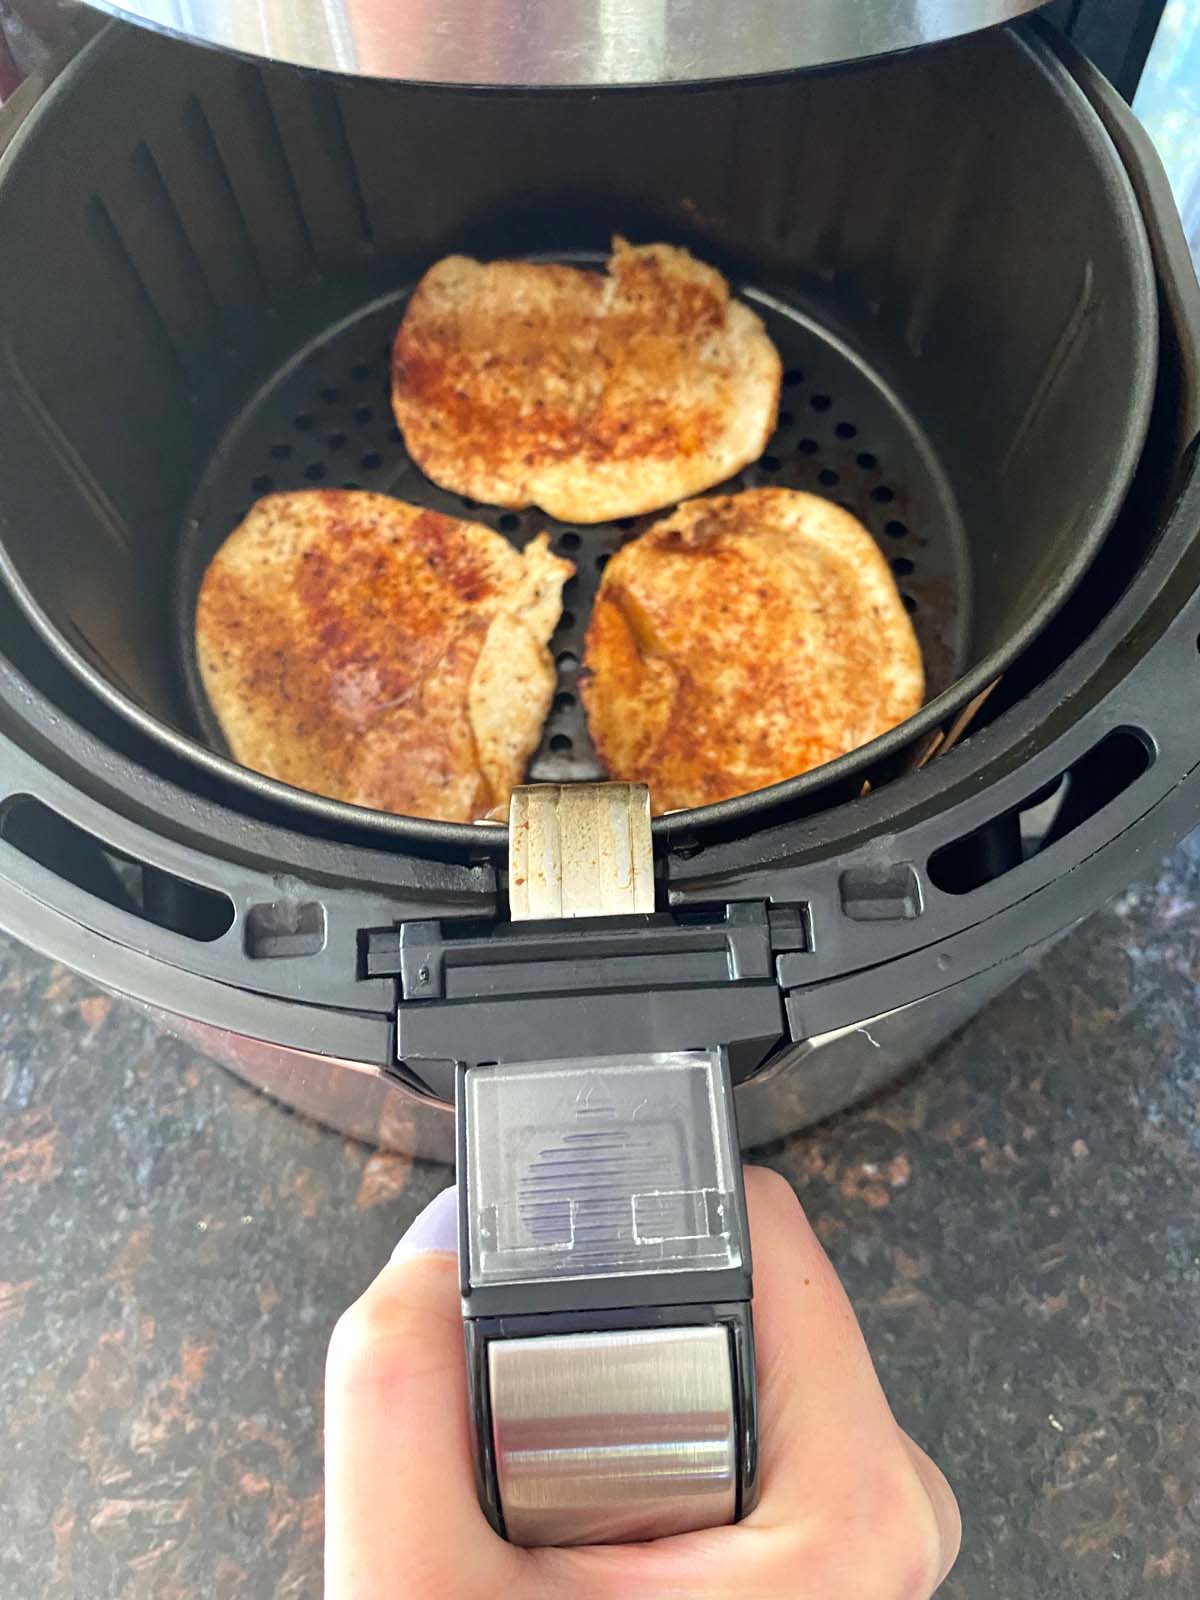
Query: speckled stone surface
column 1017, row 1225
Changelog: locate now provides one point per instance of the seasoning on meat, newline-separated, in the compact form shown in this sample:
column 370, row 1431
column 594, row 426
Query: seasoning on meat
column 742, row 640
column 592, row 396
column 378, row 653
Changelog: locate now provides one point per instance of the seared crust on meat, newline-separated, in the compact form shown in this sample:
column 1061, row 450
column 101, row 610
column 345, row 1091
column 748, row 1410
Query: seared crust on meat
column 379, row 653
column 591, row 396
column 742, row 640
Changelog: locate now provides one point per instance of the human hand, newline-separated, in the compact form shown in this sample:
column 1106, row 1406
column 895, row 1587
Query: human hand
column 850, row 1508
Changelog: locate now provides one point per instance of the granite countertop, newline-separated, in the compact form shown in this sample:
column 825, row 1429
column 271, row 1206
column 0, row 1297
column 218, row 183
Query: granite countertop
column 1016, row 1223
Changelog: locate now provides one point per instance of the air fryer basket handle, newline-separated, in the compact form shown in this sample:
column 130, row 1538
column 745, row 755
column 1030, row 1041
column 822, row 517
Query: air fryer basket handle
column 604, row 1260
column 1168, row 245
column 603, row 1245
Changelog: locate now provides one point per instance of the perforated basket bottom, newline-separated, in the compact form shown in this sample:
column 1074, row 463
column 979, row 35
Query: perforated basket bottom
column 325, row 420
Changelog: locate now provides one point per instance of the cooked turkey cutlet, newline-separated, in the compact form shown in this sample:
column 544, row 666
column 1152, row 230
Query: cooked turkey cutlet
column 592, row 396
column 742, row 640
column 379, row 653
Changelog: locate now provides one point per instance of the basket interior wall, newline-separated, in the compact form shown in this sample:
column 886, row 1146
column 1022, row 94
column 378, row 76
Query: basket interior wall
column 185, row 222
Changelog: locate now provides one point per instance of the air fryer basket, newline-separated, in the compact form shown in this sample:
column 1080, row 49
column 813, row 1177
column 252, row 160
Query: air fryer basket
column 969, row 331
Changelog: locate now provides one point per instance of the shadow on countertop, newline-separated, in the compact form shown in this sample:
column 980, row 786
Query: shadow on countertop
column 1016, row 1224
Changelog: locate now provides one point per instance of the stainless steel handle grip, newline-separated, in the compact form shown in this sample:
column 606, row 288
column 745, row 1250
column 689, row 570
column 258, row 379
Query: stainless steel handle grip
column 616, row 1436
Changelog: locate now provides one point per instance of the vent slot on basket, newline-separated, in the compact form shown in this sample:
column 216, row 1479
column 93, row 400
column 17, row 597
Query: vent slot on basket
column 1075, row 796
column 110, row 875
column 881, row 894
column 281, row 928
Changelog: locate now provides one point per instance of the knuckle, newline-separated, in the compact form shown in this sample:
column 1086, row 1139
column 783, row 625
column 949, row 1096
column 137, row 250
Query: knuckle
column 353, row 1337
column 381, row 1339
column 909, row 1540
column 772, row 1200
column 772, row 1184
column 885, row 1545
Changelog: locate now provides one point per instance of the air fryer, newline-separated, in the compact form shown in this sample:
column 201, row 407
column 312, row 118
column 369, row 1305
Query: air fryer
column 971, row 265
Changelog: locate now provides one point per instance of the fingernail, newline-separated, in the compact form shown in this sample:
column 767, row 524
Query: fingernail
column 435, row 1228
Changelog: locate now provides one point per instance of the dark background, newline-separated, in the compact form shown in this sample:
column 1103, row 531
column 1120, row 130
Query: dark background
column 1016, row 1223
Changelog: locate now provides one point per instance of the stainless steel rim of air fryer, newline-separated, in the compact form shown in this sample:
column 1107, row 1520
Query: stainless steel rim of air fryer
column 581, row 44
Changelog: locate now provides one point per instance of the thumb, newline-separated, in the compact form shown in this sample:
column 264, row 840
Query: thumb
column 401, row 1515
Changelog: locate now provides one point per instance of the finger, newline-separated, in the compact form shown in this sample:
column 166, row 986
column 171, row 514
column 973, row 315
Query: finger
column 945, row 1506
column 401, row 1512
column 834, row 1463
column 821, row 1408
